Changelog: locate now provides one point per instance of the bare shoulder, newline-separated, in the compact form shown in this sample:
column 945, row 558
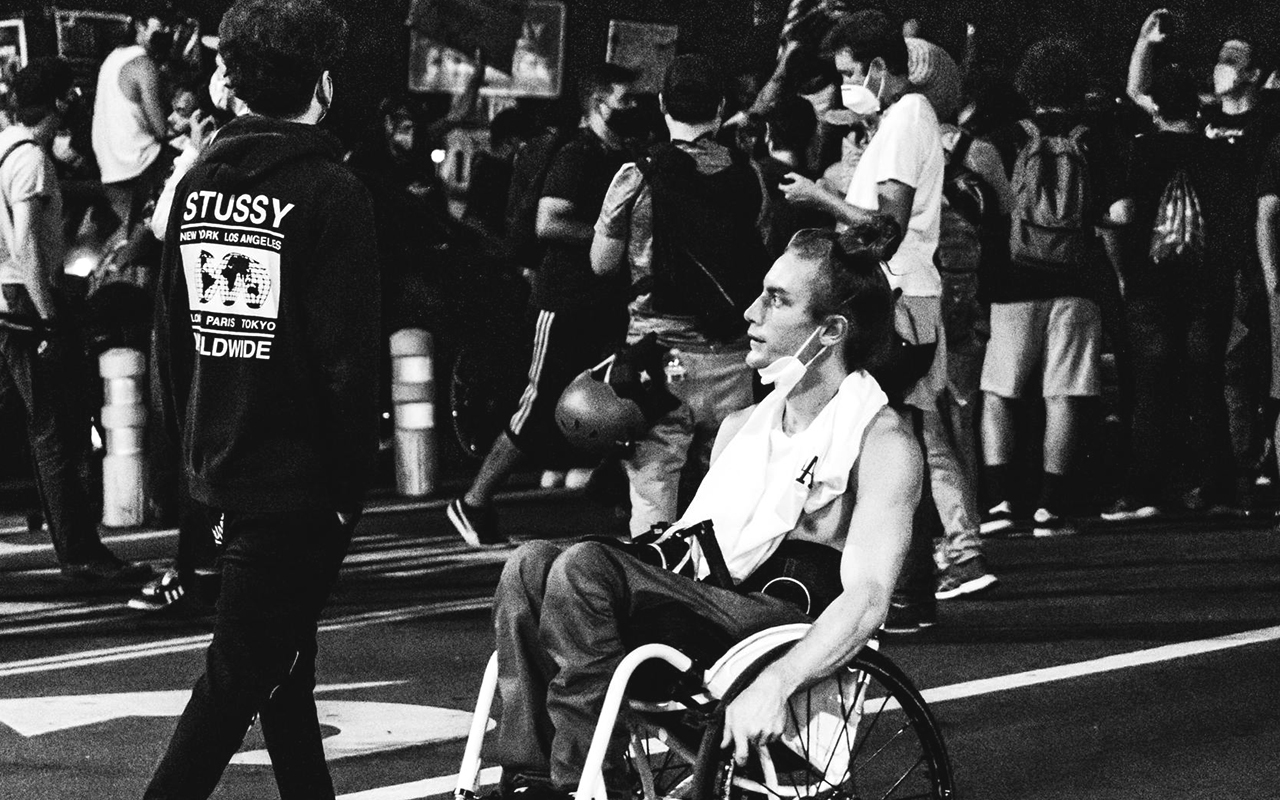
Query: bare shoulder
column 890, row 454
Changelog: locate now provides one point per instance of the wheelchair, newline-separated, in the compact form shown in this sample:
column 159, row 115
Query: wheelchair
column 863, row 732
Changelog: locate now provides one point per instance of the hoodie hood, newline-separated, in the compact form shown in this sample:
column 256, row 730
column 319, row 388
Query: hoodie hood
column 250, row 148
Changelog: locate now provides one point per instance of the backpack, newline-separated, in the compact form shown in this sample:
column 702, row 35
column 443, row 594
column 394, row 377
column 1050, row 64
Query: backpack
column 970, row 212
column 1178, row 232
column 528, row 174
column 1051, row 200
column 708, row 257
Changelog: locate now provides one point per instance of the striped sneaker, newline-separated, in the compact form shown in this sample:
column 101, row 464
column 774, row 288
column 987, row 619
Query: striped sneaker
column 159, row 594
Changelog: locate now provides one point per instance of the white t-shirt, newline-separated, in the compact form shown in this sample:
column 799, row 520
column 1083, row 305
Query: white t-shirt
column 27, row 174
column 907, row 148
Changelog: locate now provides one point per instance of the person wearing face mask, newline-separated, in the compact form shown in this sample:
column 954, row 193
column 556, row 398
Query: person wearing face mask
column 575, row 317
column 899, row 175
column 1239, row 124
column 686, row 206
column 267, row 342
column 130, row 119
column 821, row 466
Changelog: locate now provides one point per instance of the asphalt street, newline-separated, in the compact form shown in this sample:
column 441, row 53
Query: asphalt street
column 1116, row 662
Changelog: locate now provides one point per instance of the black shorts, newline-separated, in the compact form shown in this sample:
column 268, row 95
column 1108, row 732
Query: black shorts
column 564, row 344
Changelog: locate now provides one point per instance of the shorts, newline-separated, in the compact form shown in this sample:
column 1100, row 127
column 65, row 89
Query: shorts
column 1058, row 340
column 565, row 343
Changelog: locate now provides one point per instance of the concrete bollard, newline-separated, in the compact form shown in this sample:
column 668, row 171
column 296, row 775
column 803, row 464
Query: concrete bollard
column 124, row 418
column 413, row 394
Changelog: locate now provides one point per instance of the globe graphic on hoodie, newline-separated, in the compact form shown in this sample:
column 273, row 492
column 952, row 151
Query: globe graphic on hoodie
column 234, row 279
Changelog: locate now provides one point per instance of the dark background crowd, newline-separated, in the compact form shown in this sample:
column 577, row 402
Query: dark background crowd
column 1181, row 419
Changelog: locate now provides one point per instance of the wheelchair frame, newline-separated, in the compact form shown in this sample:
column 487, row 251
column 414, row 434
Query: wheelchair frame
column 729, row 675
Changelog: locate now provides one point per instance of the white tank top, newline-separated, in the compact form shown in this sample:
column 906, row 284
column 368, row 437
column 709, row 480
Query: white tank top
column 122, row 141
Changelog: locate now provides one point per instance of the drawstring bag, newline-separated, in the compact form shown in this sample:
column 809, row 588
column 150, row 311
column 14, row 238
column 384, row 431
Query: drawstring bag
column 1178, row 232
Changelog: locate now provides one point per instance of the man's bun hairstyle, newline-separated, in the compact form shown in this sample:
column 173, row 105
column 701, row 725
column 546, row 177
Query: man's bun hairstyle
column 276, row 50
column 853, row 285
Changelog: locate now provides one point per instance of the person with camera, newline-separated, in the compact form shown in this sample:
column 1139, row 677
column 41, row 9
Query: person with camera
column 39, row 365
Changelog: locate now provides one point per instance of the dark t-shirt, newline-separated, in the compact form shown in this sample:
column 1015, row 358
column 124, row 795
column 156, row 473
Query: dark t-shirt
column 1156, row 159
column 580, row 173
column 1236, row 147
column 783, row 219
column 1013, row 282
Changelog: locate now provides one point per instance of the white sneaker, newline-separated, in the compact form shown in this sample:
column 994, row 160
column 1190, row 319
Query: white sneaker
column 551, row 479
column 578, row 478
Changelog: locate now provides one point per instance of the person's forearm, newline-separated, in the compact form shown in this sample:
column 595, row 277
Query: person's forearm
column 565, row 229
column 843, row 211
column 1115, row 257
column 606, row 254
column 1268, row 247
column 30, row 256
column 1139, row 72
column 835, row 637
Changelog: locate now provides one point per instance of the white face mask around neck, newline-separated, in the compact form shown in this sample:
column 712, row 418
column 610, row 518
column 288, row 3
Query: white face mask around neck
column 785, row 372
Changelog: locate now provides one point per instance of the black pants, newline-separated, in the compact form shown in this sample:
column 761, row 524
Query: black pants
column 1177, row 340
column 48, row 386
column 277, row 572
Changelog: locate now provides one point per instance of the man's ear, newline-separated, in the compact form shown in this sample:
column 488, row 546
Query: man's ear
column 834, row 330
column 324, row 89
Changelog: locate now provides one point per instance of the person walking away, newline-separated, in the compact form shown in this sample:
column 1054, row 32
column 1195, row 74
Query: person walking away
column 267, row 342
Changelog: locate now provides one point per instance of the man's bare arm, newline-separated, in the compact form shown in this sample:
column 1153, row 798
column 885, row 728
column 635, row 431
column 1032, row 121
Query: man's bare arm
column 557, row 223
column 888, row 489
column 1139, row 82
column 140, row 81
column 1269, row 240
column 30, row 256
column 606, row 254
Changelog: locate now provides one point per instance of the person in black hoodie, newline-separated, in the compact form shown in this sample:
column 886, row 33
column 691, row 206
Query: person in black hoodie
column 266, row 345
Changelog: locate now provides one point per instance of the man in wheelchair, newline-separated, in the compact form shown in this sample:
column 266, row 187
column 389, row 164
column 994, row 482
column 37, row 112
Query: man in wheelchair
column 820, row 472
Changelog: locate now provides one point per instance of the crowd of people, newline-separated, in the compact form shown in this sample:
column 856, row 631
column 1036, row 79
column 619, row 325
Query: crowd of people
column 783, row 304
column 1041, row 229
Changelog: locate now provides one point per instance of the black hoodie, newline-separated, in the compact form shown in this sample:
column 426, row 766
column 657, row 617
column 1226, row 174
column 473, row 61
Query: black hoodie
column 267, row 332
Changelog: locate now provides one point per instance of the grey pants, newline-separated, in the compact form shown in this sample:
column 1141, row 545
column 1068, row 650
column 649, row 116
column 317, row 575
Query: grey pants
column 561, row 615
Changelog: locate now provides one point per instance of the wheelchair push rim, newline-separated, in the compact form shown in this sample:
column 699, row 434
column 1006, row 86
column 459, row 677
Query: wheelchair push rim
column 875, row 739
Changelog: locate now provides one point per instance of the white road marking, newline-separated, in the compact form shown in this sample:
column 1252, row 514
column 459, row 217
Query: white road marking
column 445, row 784
column 37, row 716
column 7, row 549
column 19, row 608
column 88, row 658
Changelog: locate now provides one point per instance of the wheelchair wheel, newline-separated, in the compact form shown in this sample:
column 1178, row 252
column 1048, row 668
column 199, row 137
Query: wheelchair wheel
column 863, row 733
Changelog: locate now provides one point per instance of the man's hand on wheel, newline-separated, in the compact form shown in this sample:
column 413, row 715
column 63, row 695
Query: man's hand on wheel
column 756, row 717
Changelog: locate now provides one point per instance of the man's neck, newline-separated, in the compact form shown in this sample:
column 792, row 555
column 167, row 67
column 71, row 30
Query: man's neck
column 595, row 124
column 820, row 383
column 687, row 132
column 895, row 86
